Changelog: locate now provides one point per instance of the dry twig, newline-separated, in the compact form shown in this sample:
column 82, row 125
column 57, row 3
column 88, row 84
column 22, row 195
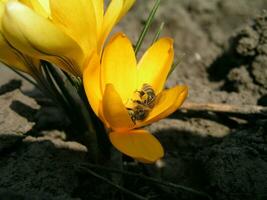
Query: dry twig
column 86, row 167
column 226, row 108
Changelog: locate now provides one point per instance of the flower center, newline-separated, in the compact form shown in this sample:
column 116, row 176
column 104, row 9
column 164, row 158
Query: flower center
column 142, row 103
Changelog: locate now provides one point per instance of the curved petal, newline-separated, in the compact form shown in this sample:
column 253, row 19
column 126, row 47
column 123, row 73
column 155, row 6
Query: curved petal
column 138, row 144
column 10, row 57
column 77, row 18
column 42, row 7
column 114, row 111
column 99, row 14
column 127, row 4
column 167, row 102
column 155, row 64
column 119, row 66
column 110, row 19
column 38, row 37
column 91, row 82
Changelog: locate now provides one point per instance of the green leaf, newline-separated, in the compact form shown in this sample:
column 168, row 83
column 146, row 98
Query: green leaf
column 146, row 27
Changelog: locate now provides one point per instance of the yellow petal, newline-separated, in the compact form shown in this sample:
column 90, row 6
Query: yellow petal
column 110, row 19
column 45, row 4
column 168, row 102
column 155, row 64
column 119, row 66
column 38, row 37
column 114, row 111
column 127, row 4
column 99, row 13
column 91, row 82
column 42, row 7
column 138, row 144
column 11, row 57
column 2, row 9
column 77, row 18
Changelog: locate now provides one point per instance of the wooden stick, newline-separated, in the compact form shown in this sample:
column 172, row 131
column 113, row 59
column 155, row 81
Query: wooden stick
column 226, row 108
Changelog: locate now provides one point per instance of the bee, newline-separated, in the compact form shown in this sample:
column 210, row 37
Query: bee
column 147, row 96
column 138, row 112
column 144, row 104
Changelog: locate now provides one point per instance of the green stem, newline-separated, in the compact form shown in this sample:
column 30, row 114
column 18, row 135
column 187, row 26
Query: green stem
column 80, row 116
column 101, row 132
column 146, row 27
column 156, row 37
column 174, row 65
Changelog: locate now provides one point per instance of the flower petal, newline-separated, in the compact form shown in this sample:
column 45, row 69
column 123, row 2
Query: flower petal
column 42, row 7
column 91, row 82
column 155, row 64
column 77, row 18
column 167, row 102
column 127, row 4
column 114, row 111
column 9, row 55
column 119, row 66
column 10, row 58
column 99, row 14
column 138, row 144
column 38, row 37
column 110, row 18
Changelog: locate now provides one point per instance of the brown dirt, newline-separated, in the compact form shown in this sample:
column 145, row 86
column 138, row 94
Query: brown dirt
column 225, row 43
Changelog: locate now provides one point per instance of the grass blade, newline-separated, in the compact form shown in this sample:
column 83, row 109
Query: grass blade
column 146, row 27
column 174, row 65
column 156, row 37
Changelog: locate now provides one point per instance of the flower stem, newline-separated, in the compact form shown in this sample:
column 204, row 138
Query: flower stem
column 156, row 37
column 146, row 27
column 78, row 112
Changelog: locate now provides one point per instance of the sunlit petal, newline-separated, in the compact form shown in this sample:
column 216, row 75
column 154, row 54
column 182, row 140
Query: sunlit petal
column 127, row 4
column 138, row 144
column 119, row 66
column 168, row 102
column 77, row 18
column 155, row 64
column 42, row 7
column 91, row 81
column 9, row 55
column 110, row 19
column 99, row 13
column 114, row 111
column 37, row 36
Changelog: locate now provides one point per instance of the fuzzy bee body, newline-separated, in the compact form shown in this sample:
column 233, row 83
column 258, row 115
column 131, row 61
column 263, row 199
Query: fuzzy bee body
column 147, row 96
column 144, row 104
column 139, row 112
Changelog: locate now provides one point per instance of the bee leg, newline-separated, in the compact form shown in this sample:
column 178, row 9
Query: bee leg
column 132, row 115
column 137, row 101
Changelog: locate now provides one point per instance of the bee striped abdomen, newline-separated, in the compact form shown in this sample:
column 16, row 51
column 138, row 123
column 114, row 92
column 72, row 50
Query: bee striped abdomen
column 147, row 95
column 143, row 104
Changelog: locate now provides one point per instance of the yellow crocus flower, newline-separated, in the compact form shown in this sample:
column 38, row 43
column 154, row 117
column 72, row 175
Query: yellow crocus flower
column 111, row 87
column 11, row 56
column 64, row 32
